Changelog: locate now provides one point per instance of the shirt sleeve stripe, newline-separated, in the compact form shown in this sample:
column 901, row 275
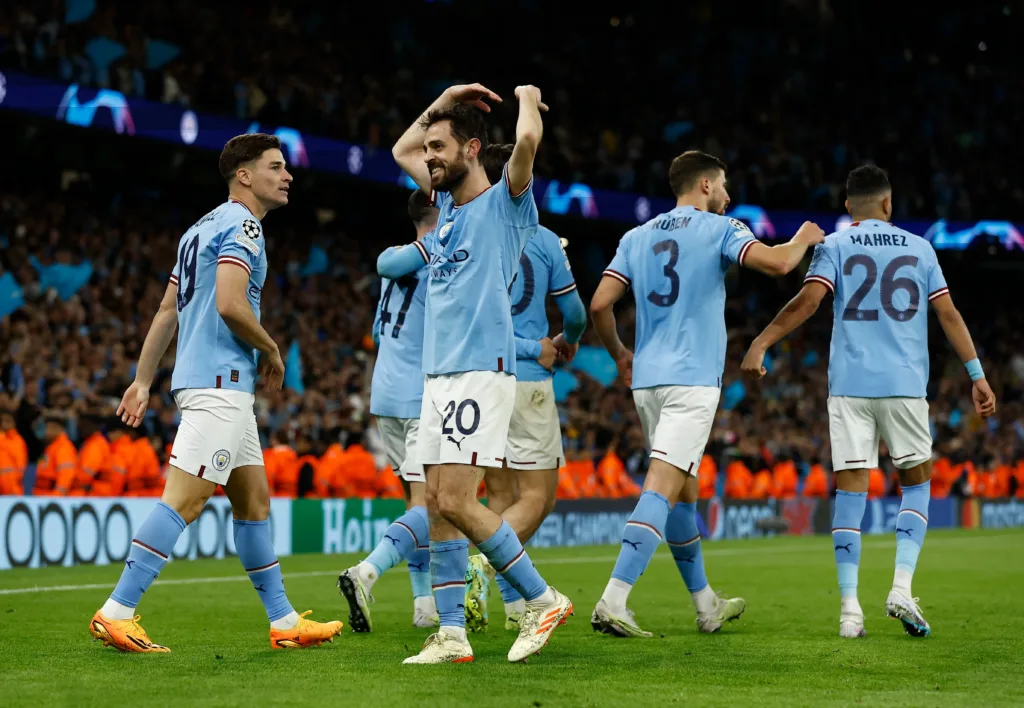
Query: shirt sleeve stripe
column 173, row 279
column 618, row 276
column 938, row 293
column 563, row 291
column 823, row 280
column 743, row 251
column 235, row 261
column 509, row 185
column 422, row 250
column 432, row 201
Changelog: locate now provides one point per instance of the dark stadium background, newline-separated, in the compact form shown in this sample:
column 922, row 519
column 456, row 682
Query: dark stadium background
column 791, row 94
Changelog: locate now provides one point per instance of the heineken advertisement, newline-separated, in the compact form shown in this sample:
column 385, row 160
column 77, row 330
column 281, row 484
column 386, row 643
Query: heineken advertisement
column 341, row 525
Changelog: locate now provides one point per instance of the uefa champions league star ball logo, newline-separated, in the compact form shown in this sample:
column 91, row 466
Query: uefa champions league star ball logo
column 251, row 229
column 221, row 460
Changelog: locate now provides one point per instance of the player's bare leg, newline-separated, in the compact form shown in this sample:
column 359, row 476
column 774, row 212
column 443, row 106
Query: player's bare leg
column 685, row 543
column 523, row 498
column 911, row 527
column 249, row 493
column 851, row 500
column 116, row 624
column 407, row 539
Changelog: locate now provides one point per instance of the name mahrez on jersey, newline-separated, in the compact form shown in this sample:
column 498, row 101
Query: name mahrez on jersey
column 879, row 239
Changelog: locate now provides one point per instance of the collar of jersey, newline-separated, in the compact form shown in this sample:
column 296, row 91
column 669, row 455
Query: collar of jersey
column 457, row 206
column 237, row 201
column 865, row 221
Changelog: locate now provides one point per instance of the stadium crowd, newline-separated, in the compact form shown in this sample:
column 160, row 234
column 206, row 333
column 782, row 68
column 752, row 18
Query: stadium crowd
column 68, row 356
column 942, row 84
column 92, row 273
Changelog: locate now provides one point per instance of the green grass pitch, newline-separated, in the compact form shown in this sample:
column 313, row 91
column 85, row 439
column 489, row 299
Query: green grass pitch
column 783, row 652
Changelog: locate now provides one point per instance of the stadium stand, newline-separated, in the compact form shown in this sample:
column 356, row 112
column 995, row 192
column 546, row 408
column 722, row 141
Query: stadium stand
column 89, row 261
column 738, row 91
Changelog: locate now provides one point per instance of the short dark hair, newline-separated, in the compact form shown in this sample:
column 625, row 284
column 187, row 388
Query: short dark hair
column 867, row 181
column 466, row 123
column 242, row 149
column 419, row 206
column 494, row 159
column 689, row 167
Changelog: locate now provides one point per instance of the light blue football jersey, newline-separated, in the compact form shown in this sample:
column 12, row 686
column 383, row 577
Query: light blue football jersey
column 543, row 270
column 468, row 323
column 676, row 265
column 882, row 278
column 397, row 387
column 209, row 355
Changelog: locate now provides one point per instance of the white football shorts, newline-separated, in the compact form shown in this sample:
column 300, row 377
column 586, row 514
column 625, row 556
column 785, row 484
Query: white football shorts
column 399, row 437
column 677, row 421
column 534, row 433
column 856, row 424
column 465, row 418
column 217, row 433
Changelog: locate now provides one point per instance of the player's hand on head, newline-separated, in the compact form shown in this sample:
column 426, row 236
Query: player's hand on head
column 984, row 398
column 753, row 364
column 810, row 233
column 473, row 95
column 548, row 353
column 271, row 370
column 566, row 351
column 534, row 92
column 133, row 404
column 624, row 364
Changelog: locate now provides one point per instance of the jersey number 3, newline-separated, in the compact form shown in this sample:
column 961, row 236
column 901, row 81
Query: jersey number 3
column 669, row 299
column 890, row 285
column 187, row 260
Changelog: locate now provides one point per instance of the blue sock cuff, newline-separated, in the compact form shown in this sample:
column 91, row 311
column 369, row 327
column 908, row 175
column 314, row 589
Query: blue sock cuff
column 854, row 495
column 651, row 495
column 499, row 537
column 419, row 524
column 421, row 512
column 173, row 514
column 849, row 512
column 242, row 522
column 446, row 546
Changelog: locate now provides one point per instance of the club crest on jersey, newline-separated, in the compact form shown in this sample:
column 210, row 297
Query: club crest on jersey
column 221, row 460
column 443, row 233
column 248, row 244
column 741, row 228
column 251, row 229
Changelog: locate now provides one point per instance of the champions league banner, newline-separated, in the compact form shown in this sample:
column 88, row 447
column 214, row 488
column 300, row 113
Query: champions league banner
column 48, row 531
column 112, row 111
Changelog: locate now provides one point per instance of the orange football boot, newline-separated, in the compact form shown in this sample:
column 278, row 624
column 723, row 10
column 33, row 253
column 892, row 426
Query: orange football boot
column 124, row 635
column 306, row 633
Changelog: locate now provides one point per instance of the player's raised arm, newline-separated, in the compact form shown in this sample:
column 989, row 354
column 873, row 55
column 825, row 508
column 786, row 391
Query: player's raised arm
column 956, row 332
column 781, row 259
column 529, row 131
column 161, row 332
column 408, row 151
column 397, row 261
column 234, row 308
